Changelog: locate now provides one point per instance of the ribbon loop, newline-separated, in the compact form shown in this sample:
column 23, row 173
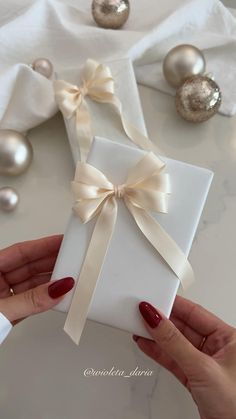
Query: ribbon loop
column 146, row 189
column 99, row 85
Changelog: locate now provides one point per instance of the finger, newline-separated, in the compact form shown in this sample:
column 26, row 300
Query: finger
column 33, row 282
column 194, row 337
column 4, row 287
column 20, row 254
column 31, row 269
column 170, row 339
column 195, row 316
column 151, row 349
column 35, row 300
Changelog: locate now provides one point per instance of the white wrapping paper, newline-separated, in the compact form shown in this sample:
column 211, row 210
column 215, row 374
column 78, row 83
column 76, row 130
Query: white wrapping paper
column 133, row 271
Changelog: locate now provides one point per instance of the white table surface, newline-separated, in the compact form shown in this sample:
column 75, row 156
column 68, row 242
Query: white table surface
column 41, row 370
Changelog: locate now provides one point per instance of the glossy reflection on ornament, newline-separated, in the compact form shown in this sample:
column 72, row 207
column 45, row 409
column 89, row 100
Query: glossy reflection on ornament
column 9, row 199
column 15, row 153
column 181, row 62
column 110, row 14
column 43, row 66
column 198, row 99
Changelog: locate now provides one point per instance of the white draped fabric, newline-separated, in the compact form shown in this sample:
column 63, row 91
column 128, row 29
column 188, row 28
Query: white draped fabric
column 64, row 32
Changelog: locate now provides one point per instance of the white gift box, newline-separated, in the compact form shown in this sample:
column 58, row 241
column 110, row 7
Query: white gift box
column 105, row 121
column 133, row 271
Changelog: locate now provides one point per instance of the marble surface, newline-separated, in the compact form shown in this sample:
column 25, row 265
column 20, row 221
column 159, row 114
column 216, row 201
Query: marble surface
column 41, row 370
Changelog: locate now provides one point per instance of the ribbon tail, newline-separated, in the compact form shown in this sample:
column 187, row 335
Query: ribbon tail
column 91, row 269
column 83, row 130
column 164, row 244
column 131, row 131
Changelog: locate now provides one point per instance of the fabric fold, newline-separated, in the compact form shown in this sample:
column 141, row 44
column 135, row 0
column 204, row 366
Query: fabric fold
column 150, row 32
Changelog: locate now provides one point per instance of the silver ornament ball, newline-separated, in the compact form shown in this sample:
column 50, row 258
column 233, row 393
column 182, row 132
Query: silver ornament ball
column 182, row 62
column 16, row 152
column 43, row 66
column 9, row 199
column 198, row 99
column 110, row 14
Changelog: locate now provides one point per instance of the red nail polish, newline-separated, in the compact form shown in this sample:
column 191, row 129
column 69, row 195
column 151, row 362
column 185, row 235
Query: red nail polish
column 150, row 314
column 135, row 338
column 60, row 287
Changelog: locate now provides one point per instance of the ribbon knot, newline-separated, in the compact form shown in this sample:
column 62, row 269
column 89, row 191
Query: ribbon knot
column 119, row 191
column 99, row 85
column 84, row 89
column 146, row 189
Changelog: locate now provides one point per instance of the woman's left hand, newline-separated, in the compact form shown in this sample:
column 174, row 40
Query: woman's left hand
column 25, row 269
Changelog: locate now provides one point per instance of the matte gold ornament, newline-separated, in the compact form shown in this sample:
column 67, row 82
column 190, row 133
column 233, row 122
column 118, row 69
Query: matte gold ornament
column 182, row 62
column 43, row 66
column 9, row 199
column 198, row 99
column 110, row 14
column 15, row 152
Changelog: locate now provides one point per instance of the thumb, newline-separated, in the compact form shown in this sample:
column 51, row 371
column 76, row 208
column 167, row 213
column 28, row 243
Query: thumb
column 170, row 339
column 35, row 300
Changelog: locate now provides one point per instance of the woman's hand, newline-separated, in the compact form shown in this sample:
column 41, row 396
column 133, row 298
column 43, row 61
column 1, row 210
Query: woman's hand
column 25, row 269
column 200, row 350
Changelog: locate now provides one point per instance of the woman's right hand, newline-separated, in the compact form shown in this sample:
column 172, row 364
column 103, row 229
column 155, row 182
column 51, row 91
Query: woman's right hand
column 199, row 349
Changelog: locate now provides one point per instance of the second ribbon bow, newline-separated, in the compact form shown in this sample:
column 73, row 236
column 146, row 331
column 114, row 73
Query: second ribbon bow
column 98, row 84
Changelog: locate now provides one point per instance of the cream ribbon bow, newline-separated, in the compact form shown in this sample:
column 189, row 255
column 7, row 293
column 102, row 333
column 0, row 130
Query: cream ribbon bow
column 98, row 84
column 145, row 190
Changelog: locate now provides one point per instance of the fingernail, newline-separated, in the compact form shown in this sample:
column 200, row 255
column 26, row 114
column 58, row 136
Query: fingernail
column 60, row 287
column 150, row 314
column 135, row 338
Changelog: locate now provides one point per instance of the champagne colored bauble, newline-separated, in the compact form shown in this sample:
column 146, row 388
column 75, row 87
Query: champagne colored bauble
column 43, row 66
column 15, row 152
column 198, row 99
column 110, row 14
column 9, row 199
column 182, row 62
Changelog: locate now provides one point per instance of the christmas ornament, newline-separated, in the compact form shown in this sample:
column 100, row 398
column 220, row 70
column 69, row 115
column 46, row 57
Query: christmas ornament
column 15, row 152
column 198, row 99
column 9, row 199
column 43, row 66
column 110, row 14
column 182, row 62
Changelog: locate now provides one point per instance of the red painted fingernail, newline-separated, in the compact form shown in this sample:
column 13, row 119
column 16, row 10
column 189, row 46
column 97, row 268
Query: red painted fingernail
column 150, row 314
column 135, row 338
column 60, row 287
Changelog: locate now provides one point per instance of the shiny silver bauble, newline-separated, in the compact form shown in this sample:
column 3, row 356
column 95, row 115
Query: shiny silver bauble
column 182, row 62
column 110, row 14
column 9, row 199
column 43, row 66
column 15, row 152
column 198, row 99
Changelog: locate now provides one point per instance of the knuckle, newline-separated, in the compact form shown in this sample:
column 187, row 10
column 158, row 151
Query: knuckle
column 170, row 335
column 34, row 299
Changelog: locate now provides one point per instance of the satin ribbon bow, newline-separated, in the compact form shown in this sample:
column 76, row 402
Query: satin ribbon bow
column 145, row 190
column 98, row 84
